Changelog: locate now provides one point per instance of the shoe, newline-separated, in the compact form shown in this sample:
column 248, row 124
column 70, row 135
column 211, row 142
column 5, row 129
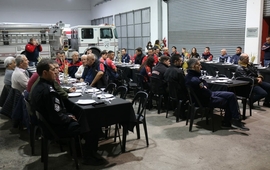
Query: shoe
column 239, row 125
column 266, row 104
column 226, row 125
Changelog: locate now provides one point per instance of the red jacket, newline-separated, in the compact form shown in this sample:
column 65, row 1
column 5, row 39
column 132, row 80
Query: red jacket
column 155, row 58
column 32, row 51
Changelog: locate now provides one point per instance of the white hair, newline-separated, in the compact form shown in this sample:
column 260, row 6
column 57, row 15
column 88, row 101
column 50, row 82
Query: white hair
column 8, row 61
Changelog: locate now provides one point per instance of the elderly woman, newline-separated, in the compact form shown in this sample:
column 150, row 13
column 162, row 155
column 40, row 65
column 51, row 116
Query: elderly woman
column 80, row 70
column 74, row 64
column 10, row 65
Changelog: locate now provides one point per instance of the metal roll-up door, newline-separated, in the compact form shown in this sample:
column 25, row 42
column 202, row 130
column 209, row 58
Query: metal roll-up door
column 217, row 24
column 266, row 8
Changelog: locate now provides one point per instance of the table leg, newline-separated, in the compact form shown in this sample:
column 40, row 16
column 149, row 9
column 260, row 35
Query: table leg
column 124, row 138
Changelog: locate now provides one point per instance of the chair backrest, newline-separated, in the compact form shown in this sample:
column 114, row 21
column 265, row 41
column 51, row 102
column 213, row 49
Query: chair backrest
column 156, row 85
column 140, row 80
column 245, row 91
column 193, row 98
column 110, row 88
column 47, row 130
column 142, row 98
column 122, row 91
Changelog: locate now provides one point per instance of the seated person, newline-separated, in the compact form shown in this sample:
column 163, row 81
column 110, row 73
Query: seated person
column 157, row 52
column 125, row 56
column 174, row 51
column 49, row 104
column 61, row 60
column 166, row 52
column 174, row 74
column 224, row 57
column 20, row 77
column 207, row 55
column 139, row 56
column 111, row 69
column 216, row 99
column 185, row 54
column 235, row 57
column 194, row 53
column 151, row 54
column 146, row 71
column 261, row 89
column 79, row 72
column 103, row 56
column 10, row 65
column 160, row 69
column 74, row 64
column 94, row 72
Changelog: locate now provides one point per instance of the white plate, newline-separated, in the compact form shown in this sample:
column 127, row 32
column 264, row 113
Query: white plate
column 74, row 94
column 104, row 96
column 78, row 90
column 223, row 78
column 79, row 84
column 220, row 81
column 86, row 101
column 92, row 90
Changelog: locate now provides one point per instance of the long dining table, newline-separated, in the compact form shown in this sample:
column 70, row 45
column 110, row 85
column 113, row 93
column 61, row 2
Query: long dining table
column 228, row 69
column 103, row 113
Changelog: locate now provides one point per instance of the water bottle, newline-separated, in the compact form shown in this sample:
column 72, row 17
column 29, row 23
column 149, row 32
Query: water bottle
column 94, row 95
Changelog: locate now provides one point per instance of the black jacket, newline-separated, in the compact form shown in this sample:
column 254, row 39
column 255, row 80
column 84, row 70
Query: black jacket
column 248, row 71
column 49, row 104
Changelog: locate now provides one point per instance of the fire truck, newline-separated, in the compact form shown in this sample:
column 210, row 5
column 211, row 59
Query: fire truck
column 14, row 37
column 94, row 37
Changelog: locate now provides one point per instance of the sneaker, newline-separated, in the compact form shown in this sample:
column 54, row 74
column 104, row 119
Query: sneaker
column 226, row 125
column 239, row 125
column 266, row 104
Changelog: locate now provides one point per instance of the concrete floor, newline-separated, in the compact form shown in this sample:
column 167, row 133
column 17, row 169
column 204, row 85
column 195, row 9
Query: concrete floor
column 172, row 146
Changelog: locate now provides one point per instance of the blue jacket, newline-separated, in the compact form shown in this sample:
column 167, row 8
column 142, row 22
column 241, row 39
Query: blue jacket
column 223, row 59
column 125, row 58
column 235, row 58
column 194, row 82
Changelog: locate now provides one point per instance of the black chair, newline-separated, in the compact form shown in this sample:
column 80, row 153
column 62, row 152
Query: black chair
column 33, row 127
column 142, row 84
column 193, row 109
column 141, row 97
column 47, row 133
column 175, row 101
column 157, row 91
column 244, row 93
column 122, row 92
column 110, row 88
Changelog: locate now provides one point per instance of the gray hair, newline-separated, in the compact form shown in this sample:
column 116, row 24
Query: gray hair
column 84, row 56
column 191, row 62
column 74, row 53
column 19, row 59
column 8, row 61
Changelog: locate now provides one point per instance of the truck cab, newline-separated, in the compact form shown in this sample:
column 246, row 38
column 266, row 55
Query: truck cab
column 94, row 37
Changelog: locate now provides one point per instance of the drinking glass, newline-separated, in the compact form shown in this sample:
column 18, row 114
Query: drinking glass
column 217, row 74
column 205, row 73
column 233, row 77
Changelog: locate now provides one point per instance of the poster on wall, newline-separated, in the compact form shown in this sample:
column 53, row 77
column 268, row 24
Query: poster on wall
column 252, row 32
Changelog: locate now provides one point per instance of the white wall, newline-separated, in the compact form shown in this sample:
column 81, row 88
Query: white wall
column 254, row 17
column 72, row 12
column 114, row 7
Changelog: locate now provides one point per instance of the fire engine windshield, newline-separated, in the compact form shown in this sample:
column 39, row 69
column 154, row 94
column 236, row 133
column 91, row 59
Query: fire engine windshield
column 106, row 33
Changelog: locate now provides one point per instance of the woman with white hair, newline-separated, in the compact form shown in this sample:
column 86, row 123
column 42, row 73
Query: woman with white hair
column 10, row 65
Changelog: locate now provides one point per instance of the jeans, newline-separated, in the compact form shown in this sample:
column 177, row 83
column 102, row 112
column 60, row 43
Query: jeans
column 227, row 101
column 266, row 63
column 260, row 91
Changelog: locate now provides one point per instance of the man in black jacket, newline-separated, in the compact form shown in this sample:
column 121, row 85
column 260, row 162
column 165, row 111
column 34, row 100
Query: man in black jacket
column 46, row 100
column 261, row 89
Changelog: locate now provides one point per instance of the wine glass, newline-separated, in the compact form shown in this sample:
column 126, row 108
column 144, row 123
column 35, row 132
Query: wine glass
column 233, row 77
column 102, row 94
column 217, row 74
column 205, row 73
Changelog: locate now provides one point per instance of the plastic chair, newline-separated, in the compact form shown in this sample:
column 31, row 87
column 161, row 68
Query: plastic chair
column 33, row 127
column 193, row 109
column 157, row 90
column 47, row 133
column 141, row 97
column 244, row 94
column 110, row 88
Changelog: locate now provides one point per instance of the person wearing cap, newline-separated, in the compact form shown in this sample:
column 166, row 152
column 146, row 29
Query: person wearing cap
column 10, row 65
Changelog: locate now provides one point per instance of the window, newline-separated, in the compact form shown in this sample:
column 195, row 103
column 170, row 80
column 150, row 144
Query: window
column 115, row 33
column 106, row 33
column 87, row 33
